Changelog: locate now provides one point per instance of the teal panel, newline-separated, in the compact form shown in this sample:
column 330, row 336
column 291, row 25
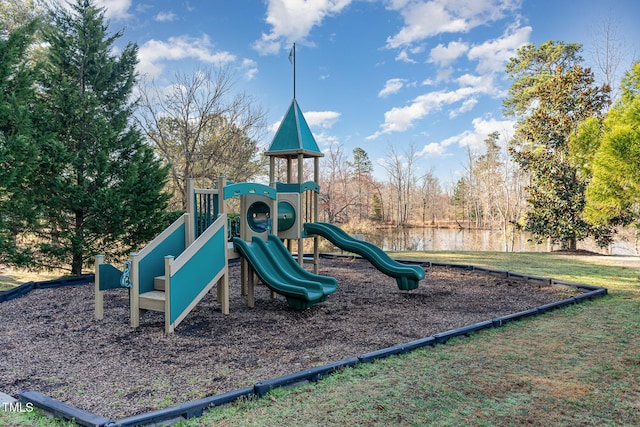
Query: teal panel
column 152, row 265
column 245, row 188
column 293, row 134
column 286, row 137
column 310, row 186
column 194, row 276
column 109, row 277
column 308, row 142
column 297, row 188
column 288, row 188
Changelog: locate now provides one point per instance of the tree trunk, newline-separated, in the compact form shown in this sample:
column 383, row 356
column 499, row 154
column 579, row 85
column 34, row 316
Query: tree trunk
column 77, row 245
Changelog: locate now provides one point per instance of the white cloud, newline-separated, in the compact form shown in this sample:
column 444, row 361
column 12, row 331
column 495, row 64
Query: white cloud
column 445, row 55
column 323, row 119
column 404, row 57
column 432, row 149
column 466, row 106
column 482, row 127
column 474, row 139
column 292, row 21
column 165, row 17
column 492, row 55
column 424, row 19
column 326, row 141
column 391, row 86
column 114, row 9
column 399, row 119
column 250, row 68
column 153, row 53
column 481, row 83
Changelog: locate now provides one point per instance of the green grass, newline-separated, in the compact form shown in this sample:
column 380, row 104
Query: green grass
column 579, row 365
column 10, row 277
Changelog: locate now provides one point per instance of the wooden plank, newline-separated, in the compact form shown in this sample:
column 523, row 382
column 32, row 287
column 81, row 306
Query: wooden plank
column 159, row 283
column 153, row 300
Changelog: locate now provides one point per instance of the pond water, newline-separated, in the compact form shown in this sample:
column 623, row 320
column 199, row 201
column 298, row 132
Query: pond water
column 444, row 239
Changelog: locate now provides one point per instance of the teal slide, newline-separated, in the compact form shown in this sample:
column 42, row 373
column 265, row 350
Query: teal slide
column 277, row 269
column 407, row 276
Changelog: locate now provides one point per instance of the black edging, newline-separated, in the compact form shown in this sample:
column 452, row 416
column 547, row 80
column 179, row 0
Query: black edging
column 25, row 288
column 196, row 408
column 62, row 410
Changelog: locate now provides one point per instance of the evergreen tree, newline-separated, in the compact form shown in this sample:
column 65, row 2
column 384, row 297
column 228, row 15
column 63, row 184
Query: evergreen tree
column 100, row 186
column 18, row 143
column 362, row 169
column 551, row 95
column 613, row 194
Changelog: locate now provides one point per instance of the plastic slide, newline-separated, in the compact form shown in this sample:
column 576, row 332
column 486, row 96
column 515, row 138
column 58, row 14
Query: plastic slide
column 276, row 268
column 407, row 276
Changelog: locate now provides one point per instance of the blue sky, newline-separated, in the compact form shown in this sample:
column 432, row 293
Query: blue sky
column 374, row 74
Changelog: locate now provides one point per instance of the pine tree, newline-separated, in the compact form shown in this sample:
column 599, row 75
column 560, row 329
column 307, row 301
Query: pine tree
column 19, row 150
column 100, row 185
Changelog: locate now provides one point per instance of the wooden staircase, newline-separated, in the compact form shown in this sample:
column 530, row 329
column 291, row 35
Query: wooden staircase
column 154, row 300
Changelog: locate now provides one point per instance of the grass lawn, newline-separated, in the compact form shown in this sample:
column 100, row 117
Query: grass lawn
column 577, row 366
column 10, row 278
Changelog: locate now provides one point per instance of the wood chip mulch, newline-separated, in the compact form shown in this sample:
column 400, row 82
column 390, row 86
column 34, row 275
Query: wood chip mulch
column 50, row 343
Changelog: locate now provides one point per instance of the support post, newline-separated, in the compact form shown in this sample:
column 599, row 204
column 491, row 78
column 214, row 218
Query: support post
column 316, row 178
column 251, row 300
column 300, row 239
column 222, row 182
column 98, row 294
column 134, row 292
column 168, row 326
column 191, row 210
column 272, row 169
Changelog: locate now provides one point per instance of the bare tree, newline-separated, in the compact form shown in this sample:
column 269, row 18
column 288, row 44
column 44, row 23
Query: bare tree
column 338, row 195
column 609, row 53
column 402, row 178
column 431, row 193
column 202, row 128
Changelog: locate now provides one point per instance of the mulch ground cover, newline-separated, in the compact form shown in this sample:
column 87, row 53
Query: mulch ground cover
column 50, row 343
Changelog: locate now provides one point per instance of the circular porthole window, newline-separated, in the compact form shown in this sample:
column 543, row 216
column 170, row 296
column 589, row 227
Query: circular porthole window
column 258, row 217
column 286, row 216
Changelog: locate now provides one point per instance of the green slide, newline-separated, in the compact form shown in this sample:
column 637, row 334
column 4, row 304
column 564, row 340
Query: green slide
column 407, row 276
column 277, row 269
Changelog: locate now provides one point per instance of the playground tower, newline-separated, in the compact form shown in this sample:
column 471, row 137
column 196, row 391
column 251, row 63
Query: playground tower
column 294, row 141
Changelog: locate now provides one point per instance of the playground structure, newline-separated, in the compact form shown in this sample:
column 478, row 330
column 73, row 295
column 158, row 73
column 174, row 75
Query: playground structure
column 180, row 266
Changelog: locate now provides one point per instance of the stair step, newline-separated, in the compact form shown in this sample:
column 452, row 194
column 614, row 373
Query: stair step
column 153, row 300
column 158, row 283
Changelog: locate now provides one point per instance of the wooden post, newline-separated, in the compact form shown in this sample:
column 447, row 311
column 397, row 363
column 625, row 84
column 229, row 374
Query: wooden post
column 243, row 262
column 316, row 178
column 300, row 239
column 134, row 292
column 251, row 301
column 222, row 207
column 190, row 225
column 168, row 326
column 223, row 283
column 98, row 294
column 272, row 169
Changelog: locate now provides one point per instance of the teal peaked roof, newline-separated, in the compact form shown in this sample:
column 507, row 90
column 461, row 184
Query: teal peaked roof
column 294, row 136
